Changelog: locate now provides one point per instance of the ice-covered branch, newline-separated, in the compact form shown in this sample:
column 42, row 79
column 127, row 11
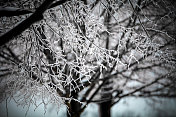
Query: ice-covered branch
column 36, row 16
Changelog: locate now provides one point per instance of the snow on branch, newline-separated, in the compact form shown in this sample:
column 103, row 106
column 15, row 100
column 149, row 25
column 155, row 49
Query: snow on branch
column 82, row 44
column 36, row 16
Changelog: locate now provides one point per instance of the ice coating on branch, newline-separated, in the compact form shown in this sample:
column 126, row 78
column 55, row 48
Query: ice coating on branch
column 63, row 53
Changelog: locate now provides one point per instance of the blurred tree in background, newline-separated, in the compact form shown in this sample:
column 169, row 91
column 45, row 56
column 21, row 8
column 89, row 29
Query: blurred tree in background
column 77, row 52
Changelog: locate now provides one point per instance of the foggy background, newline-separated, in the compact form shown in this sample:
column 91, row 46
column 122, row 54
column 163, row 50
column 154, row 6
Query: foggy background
column 127, row 107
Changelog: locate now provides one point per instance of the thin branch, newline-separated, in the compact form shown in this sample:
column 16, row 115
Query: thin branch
column 139, row 19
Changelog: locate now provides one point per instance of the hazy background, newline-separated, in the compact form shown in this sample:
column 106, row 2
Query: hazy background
column 133, row 107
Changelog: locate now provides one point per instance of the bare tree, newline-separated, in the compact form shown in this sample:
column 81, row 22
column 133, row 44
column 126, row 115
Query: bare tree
column 77, row 52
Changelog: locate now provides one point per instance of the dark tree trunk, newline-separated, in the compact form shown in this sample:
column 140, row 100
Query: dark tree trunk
column 105, row 109
column 74, row 107
column 105, row 106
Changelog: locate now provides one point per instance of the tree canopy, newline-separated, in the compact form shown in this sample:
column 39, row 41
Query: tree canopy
column 75, row 52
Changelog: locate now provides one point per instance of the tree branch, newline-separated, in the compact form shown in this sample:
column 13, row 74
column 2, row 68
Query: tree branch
column 12, row 11
column 36, row 16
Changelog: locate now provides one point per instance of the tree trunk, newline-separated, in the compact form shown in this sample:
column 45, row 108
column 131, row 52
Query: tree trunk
column 74, row 107
column 105, row 109
column 105, row 106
